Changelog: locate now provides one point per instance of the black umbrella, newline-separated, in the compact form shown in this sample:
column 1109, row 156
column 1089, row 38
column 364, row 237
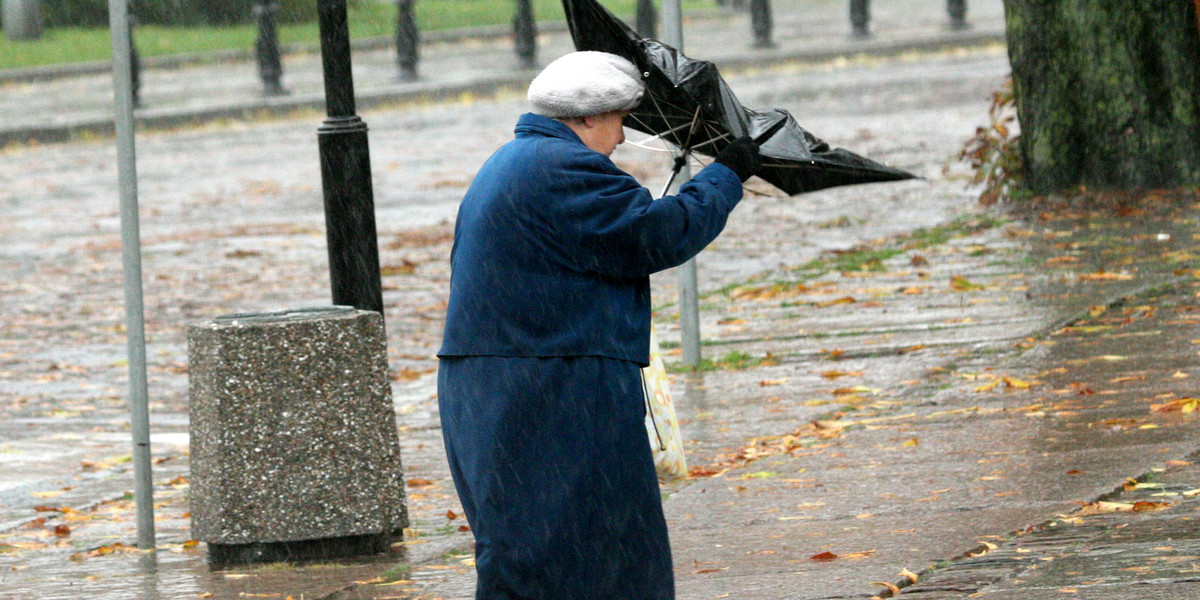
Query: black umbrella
column 688, row 104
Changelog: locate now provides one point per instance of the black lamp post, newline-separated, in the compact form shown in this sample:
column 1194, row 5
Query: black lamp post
column 346, row 173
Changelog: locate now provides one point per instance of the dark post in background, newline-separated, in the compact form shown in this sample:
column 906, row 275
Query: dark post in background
column 761, row 23
column 407, row 40
column 525, row 35
column 860, row 18
column 346, row 173
column 647, row 19
column 958, row 14
column 135, row 62
column 266, row 47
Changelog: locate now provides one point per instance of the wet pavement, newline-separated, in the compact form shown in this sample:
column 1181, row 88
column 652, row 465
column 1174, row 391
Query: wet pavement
column 898, row 381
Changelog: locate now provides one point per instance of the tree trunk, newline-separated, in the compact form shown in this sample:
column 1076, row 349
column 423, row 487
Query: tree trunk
column 1108, row 93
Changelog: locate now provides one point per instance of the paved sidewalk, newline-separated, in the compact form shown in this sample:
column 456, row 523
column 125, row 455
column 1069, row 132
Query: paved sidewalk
column 74, row 105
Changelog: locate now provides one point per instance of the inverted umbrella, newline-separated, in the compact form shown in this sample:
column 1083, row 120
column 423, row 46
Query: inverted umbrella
column 688, row 104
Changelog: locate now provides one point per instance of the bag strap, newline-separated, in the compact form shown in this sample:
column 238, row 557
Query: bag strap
column 662, row 446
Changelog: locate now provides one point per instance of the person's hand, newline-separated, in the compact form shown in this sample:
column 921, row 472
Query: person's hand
column 741, row 156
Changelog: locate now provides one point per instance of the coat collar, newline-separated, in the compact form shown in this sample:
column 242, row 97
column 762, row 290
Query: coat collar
column 530, row 123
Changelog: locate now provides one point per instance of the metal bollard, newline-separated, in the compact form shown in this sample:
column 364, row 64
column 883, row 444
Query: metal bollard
column 761, row 23
column 860, row 18
column 407, row 40
column 958, row 14
column 525, row 35
column 647, row 19
column 294, row 448
column 266, row 47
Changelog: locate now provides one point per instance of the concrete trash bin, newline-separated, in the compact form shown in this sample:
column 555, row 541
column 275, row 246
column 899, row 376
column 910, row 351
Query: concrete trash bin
column 294, row 448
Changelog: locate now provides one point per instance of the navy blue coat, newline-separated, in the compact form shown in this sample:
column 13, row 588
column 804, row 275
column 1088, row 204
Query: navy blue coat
column 538, row 388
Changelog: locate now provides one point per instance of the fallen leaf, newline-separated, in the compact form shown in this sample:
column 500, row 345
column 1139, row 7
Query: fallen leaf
column 892, row 588
column 419, row 482
column 1183, row 405
column 824, row 556
column 856, row 555
column 834, row 302
column 451, row 515
column 912, row 577
column 1103, row 275
column 959, row 283
column 834, row 374
column 1147, row 506
column 770, row 382
column 989, row 386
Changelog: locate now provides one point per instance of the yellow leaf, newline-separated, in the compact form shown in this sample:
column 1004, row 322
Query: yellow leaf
column 863, row 554
column 770, row 382
column 760, row 475
column 1096, row 311
column 909, row 575
column 989, row 386
column 911, row 443
column 1017, row 383
column 834, row 374
column 836, row 301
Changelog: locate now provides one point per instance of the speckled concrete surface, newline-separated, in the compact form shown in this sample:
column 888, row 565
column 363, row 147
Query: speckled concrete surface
column 292, row 432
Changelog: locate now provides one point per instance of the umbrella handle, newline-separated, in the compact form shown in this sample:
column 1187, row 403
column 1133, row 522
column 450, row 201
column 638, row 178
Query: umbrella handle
column 680, row 161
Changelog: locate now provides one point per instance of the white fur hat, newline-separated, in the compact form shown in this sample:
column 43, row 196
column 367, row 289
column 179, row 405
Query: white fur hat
column 583, row 84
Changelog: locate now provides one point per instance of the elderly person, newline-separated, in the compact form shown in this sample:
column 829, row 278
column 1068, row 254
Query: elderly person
column 547, row 327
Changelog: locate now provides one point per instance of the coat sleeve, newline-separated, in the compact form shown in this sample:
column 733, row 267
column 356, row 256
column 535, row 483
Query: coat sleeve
column 612, row 225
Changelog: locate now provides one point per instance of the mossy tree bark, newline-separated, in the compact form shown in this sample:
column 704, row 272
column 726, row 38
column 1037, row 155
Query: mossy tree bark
column 1108, row 93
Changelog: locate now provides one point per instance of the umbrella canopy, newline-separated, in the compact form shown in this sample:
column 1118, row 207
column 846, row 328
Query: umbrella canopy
column 688, row 104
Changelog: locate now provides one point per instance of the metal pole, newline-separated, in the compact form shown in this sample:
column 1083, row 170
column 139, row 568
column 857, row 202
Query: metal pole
column 407, row 40
column 131, row 256
column 346, row 173
column 689, row 297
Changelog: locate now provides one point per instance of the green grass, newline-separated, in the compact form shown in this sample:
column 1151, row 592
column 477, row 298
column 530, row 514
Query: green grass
column 73, row 45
